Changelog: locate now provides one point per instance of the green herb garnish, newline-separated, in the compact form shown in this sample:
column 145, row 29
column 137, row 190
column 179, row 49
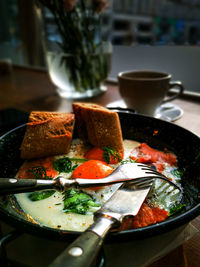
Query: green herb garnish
column 77, row 201
column 39, row 172
column 128, row 161
column 40, row 195
column 175, row 208
column 177, row 172
column 78, row 159
column 108, row 152
column 63, row 165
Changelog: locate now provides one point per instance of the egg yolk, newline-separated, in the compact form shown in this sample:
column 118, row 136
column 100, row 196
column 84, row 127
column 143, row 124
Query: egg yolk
column 92, row 169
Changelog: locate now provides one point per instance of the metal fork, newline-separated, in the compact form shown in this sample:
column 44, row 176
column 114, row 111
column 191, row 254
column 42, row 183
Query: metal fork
column 146, row 181
column 135, row 173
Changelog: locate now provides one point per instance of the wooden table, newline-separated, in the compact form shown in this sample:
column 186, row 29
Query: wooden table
column 28, row 89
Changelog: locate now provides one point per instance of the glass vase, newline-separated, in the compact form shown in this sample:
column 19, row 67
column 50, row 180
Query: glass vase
column 76, row 45
column 79, row 75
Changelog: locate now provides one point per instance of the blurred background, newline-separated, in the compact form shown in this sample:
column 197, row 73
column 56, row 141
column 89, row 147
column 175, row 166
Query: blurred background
column 159, row 34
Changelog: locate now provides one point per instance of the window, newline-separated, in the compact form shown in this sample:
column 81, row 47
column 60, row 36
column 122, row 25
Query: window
column 158, row 34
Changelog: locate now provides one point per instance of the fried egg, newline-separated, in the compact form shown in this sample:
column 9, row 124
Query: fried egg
column 49, row 211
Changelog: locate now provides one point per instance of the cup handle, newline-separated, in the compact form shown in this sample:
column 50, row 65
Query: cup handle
column 171, row 85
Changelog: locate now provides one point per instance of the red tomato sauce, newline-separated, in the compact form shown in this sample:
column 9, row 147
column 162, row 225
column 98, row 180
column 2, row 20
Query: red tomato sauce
column 146, row 154
column 146, row 216
column 47, row 163
column 149, row 215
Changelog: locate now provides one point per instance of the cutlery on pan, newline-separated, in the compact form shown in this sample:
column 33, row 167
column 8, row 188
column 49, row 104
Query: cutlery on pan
column 129, row 172
column 125, row 202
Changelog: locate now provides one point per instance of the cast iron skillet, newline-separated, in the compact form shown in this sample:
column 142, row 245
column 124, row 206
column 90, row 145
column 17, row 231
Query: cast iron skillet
column 157, row 133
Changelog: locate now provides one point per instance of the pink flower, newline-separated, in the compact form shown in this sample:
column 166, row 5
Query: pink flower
column 100, row 5
column 69, row 4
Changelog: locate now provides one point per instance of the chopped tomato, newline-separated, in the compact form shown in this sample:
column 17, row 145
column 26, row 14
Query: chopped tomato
column 92, row 169
column 94, row 153
column 98, row 154
column 160, row 214
column 47, row 163
column 159, row 167
column 144, row 159
column 147, row 154
column 146, row 216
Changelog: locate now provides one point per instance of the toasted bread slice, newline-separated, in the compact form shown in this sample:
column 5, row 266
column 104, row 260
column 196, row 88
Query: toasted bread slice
column 47, row 134
column 98, row 125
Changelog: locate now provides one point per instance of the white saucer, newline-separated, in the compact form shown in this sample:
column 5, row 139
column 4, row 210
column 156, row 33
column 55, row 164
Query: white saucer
column 116, row 104
column 167, row 111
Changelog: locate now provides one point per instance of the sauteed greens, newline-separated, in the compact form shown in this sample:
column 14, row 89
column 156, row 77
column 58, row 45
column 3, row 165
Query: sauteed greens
column 175, row 208
column 74, row 200
column 77, row 201
column 40, row 195
column 64, row 165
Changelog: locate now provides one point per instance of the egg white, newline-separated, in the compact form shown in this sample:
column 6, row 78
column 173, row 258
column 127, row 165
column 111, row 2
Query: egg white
column 49, row 211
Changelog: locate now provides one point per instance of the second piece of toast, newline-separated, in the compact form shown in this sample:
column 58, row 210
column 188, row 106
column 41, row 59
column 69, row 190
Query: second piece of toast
column 98, row 125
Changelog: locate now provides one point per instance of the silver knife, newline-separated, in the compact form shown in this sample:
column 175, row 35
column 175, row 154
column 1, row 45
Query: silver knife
column 126, row 201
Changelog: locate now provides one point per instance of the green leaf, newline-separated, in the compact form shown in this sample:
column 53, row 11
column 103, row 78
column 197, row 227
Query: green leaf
column 77, row 201
column 63, row 165
column 175, row 208
column 177, row 172
column 108, row 152
column 78, row 159
column 127, row 161
column 40, row 195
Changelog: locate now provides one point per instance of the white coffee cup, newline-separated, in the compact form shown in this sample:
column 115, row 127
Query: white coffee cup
column 146, row 90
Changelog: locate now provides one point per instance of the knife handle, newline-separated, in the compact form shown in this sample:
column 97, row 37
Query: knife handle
column 84, row 250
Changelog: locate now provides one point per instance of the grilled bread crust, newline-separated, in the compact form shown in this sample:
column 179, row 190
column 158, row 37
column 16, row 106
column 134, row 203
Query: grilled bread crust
column 47, row 134
column 98, row 125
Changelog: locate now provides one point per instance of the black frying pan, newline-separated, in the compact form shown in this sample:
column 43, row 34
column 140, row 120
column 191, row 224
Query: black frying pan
column 157, row 133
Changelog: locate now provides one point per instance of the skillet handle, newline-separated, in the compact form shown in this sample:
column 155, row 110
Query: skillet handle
column 13, row 185
column 84, row 250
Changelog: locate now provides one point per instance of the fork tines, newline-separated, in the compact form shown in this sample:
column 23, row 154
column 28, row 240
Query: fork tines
column 141, row 183
column 152, row 174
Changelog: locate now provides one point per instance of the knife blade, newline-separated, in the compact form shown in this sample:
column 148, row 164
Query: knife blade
column 126, row 201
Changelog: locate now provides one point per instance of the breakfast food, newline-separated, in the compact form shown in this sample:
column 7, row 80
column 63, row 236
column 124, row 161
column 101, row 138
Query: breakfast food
column 98, row 125
column 73, row 209
column 47, row 133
